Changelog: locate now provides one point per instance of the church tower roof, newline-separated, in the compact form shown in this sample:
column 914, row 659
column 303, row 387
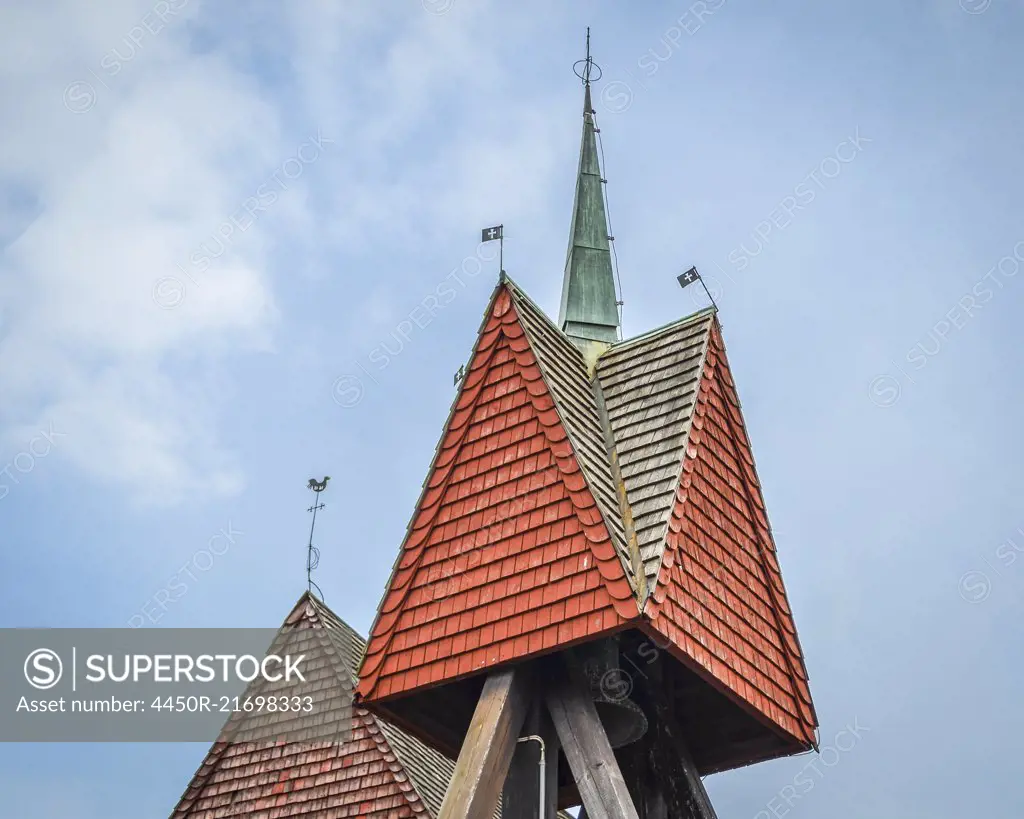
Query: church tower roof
column 586, row 489
column 587, row 492
column 566, row 503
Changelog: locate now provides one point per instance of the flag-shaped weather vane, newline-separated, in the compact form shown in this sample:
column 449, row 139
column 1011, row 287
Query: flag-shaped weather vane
column 496, row 233
column 691, row 276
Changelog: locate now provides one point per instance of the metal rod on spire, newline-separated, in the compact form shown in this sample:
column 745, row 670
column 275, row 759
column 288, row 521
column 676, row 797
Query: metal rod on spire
column 590, row 62
column 313, row 553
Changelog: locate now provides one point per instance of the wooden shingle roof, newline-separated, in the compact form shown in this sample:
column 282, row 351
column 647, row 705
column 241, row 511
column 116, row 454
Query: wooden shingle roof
column 378, row 771
column 565, row 372
column 545, row 471
column 650, row 387
column 509, row 551
column 690, row 476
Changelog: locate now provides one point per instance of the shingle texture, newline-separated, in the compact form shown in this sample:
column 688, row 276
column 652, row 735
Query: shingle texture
column 650, row 386
column 565, row 372
column 508, row 553
column 378, row 771
column 562, row 503
column 719, row 595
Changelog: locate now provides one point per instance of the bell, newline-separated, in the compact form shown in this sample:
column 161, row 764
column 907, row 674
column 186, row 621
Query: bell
column 623, row 720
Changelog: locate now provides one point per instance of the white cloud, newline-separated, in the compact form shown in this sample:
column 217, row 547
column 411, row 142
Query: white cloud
column 105, row 208
column 126, row 191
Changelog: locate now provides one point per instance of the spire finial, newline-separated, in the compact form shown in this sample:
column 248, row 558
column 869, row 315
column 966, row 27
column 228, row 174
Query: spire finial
column 589, row 61
column 584, row 70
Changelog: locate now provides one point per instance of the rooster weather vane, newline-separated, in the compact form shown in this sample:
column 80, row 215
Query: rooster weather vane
column 313, row 553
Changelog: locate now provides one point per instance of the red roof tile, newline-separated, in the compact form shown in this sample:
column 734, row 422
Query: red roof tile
column 525, row 539
column 378, row 771
column 532, row 515
column 720, row 581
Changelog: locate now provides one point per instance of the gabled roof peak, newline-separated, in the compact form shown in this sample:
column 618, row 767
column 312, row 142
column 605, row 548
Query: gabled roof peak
column 693, row 318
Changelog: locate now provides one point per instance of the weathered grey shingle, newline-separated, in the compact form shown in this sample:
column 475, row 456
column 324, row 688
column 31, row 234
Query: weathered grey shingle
column 233, row 779
column 429, row 771
column 565, row 373
column 650, row 386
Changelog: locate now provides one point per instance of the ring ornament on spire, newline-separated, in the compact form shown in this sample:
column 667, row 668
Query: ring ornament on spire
column 588, row 65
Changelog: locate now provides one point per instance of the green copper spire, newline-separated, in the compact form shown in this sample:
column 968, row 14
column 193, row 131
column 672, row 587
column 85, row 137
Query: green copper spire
column 588, row 310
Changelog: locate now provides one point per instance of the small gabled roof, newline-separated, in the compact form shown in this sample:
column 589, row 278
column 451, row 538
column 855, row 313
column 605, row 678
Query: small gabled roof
column 378, row 771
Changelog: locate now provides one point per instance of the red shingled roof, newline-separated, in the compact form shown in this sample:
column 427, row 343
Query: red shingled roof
column 507, row 554
column 361, row 777
column 719, row 595
column 377, row 771
column 530, row 535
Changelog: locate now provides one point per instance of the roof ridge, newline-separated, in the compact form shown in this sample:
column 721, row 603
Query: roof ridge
column 616, row 517
column 661, row 545
column 304, row 608
column 625, row 509
column 408, row 788
column 519, row 291
column 505, row 331
column 620, row 346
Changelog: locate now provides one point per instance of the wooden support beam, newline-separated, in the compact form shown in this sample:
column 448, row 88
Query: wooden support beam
column 520, row 799
column 676, row 767
column 601, row 786
column 673, row 766
column 644, row 788
column 668, row 763
column 488, row 747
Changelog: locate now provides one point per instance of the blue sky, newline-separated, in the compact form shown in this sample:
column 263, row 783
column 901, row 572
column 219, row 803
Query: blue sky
column 163, row 400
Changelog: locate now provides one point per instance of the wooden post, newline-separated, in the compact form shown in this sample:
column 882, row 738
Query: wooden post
column 672, row 778
column 673, row 765
column 487, row 750
column 521, row 795
column 585, row 743
column 641, row 780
